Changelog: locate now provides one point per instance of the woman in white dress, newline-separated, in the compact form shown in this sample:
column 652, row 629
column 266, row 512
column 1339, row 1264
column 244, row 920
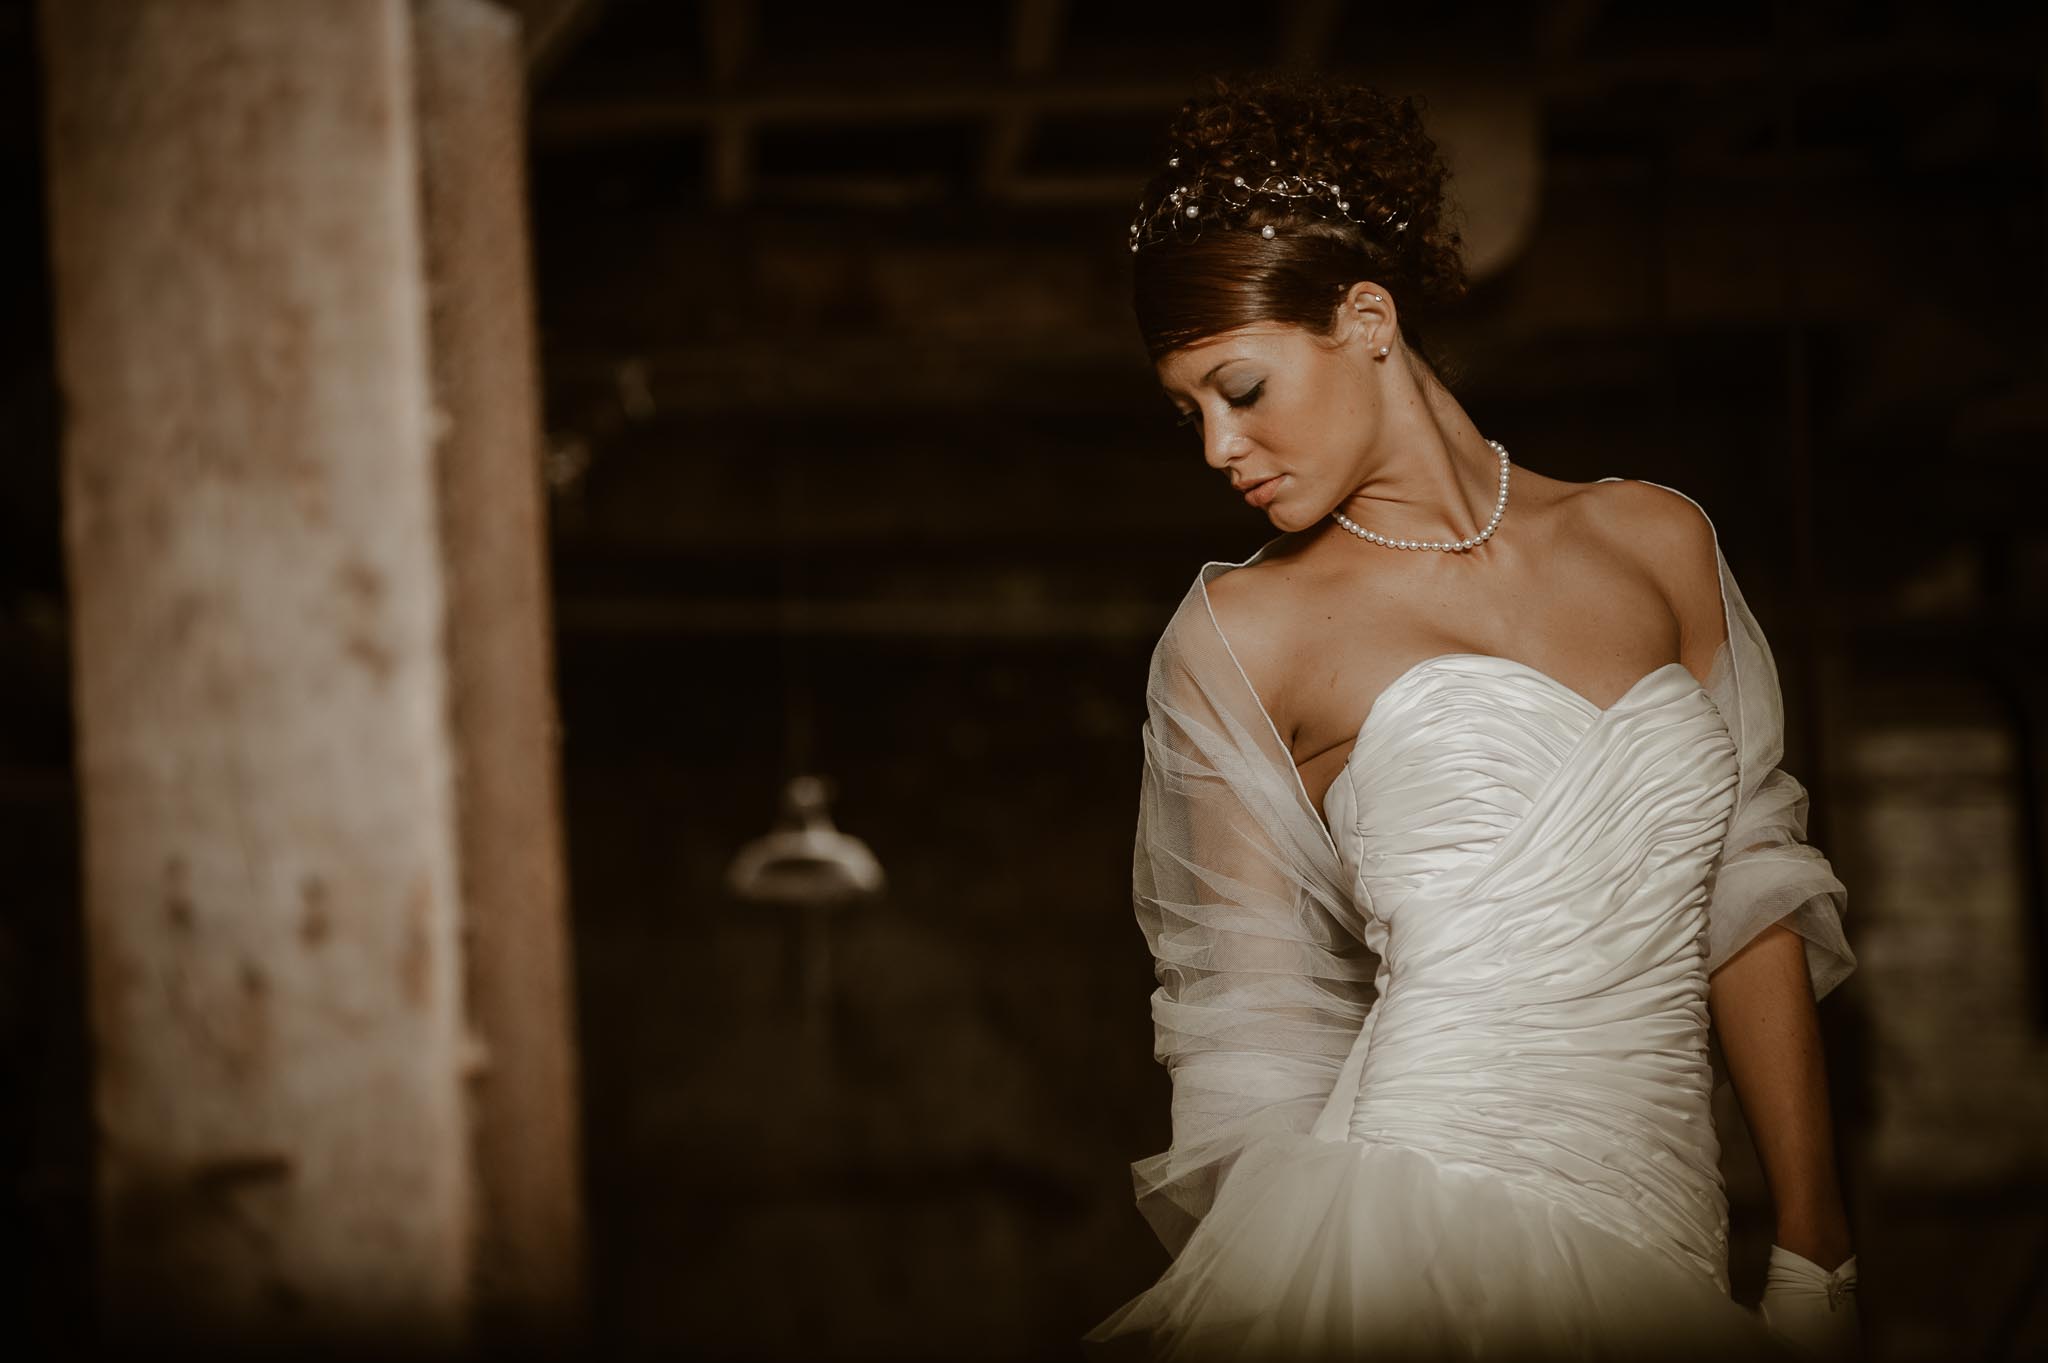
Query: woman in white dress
column 1462, row 824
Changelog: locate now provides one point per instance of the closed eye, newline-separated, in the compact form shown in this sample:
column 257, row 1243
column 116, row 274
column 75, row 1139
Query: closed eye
column 1242, row 400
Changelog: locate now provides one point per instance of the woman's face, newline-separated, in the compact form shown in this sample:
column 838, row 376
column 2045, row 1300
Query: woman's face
column 1287, row 416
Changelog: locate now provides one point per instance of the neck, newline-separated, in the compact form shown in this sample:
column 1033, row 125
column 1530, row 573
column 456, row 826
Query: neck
column 1432, row 475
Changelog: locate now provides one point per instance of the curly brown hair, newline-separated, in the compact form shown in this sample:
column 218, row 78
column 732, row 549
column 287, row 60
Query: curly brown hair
column 1373, row 144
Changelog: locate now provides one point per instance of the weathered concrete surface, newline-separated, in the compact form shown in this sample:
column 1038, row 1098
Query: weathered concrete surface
column 263, row 741
column 501, row 669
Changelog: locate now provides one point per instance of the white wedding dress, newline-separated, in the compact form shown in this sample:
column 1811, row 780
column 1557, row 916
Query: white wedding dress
column 1513, row 1154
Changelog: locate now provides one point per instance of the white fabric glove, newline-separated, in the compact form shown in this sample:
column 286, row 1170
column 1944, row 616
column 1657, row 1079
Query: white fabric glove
column 1812, row 1309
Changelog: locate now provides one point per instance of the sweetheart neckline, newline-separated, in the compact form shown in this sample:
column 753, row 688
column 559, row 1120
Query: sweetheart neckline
column 1316, row 807
column 1373, row 710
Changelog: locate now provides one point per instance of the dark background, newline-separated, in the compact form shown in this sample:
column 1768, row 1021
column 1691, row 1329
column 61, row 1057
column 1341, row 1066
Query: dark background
column 857, row 467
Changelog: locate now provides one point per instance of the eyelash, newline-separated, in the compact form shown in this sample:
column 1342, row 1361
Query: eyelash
column 1251, row 396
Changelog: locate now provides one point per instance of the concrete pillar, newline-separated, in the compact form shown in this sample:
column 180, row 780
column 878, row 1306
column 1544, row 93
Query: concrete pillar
column 263, row 680
column 493, row 518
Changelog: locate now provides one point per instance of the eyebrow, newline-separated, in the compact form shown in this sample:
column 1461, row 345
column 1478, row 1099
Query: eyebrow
column 1212, row 370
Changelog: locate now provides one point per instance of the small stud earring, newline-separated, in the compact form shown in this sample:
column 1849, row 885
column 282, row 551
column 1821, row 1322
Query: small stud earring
column 1385, row 349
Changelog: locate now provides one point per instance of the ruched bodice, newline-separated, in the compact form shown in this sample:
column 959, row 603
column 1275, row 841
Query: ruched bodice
column 1533, row 871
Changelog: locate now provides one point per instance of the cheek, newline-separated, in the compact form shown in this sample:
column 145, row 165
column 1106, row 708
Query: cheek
column 1333, row 415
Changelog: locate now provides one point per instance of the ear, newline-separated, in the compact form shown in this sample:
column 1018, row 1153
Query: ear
column 1367, row 317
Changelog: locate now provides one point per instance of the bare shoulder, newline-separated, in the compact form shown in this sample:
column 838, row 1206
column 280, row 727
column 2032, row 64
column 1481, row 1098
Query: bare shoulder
column 1254, row 608
column 1673, row 542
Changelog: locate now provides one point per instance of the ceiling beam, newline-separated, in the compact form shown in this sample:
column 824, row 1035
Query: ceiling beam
column 567, row 121
column 550, row 28
column 1034, row 35
column 1306, row 28
column 596, row 119
column 729, row 32
column 1562, row 28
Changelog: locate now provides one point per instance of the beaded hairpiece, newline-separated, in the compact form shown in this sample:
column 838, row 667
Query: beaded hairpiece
column 1184, row 212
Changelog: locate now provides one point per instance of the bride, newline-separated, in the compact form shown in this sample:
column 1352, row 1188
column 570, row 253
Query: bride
column 1461, row 825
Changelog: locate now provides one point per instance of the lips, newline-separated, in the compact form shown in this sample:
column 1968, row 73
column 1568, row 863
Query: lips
column 1262, row 491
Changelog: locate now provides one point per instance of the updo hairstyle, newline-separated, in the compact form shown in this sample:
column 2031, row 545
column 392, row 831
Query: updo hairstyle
column 1394, row 230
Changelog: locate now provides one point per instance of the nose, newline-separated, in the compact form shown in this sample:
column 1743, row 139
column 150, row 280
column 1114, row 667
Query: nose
column 1220, row 444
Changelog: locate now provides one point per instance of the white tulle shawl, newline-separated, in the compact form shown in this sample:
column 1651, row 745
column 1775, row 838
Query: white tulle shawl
column 1267, row 970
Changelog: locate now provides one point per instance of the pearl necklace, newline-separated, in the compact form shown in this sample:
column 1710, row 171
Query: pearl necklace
column 1454, row 545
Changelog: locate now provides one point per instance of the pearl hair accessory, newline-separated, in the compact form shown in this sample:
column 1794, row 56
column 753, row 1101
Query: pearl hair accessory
column 1454, row 546
column 1184, row 211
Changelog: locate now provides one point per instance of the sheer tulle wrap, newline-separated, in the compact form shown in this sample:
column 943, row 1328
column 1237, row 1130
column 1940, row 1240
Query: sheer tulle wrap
column 1266, row 978
column 1767, row 872
column 1263, row 984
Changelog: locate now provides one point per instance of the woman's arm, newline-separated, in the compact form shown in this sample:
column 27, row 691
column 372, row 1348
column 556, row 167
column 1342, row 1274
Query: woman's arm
column 1762, row 1003
column 1774, row 945
column 1263, row 986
